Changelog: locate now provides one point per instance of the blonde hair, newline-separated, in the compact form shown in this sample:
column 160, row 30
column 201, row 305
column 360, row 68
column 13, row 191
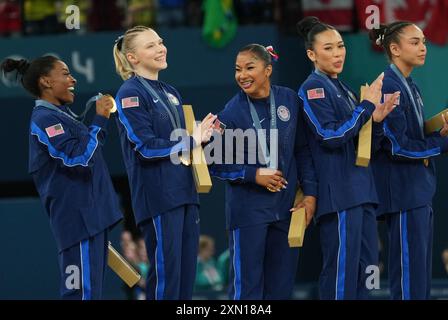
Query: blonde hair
column 122, row 65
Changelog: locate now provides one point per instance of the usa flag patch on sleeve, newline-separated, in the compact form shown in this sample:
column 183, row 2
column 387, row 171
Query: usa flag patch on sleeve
column 55, row 130
column 129, row 102
column 388, row 95
column 317, row 93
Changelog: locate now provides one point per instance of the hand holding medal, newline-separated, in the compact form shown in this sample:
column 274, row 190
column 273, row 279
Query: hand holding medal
column 105, row 105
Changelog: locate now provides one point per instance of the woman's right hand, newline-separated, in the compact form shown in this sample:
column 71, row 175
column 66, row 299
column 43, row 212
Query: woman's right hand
column 203, row 131
column 373, row 92
column 270, row 179
column 104, row 105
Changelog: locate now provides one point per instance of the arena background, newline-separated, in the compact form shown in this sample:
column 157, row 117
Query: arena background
column 205, row 78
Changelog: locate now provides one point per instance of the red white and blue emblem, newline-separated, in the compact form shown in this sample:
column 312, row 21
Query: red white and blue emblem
column 173, row 99
column 283, row 113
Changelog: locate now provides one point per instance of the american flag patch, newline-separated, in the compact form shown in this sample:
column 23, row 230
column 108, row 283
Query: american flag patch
column 388, row 95
column 317, row 93
column 55, row 130
column 129, row 102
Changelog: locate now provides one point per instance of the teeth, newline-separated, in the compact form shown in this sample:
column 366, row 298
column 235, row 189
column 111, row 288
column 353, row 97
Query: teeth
column 71, row 88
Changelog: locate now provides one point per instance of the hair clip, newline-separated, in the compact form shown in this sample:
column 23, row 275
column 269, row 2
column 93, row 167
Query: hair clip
column 273, row 54
column 119, row 42
column 380, row 40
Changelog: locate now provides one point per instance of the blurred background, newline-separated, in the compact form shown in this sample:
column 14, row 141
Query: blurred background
column 203, row 38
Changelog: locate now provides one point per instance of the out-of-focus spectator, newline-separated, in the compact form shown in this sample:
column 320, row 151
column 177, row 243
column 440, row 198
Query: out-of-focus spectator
column 223, row 265
column 381, row 257
column 254, row 11
column 142, row 257
column 207, row 274
column 135, row 253
column 445, row 259
column 143, row 268
column 287, row 14
column 126, row 238
column 141, row 13
column 105, row 15
column 129, row 253
column 170, row 13
column 11, row 20
column 129, row 249
column 83, row 6
column 40, row 17
column 194, row 13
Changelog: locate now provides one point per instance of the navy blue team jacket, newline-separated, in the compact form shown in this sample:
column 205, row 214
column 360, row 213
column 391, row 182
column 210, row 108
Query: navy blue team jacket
column 157, row 185
column 246, row 202
column 71, row 175
column 333, row 127
column 403, row 180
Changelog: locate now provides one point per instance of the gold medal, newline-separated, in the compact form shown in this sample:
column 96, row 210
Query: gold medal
column 114, row 105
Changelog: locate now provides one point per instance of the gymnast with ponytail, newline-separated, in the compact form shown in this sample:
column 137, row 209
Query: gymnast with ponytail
column 404, row 167
column 70, row 173
column 164, row 197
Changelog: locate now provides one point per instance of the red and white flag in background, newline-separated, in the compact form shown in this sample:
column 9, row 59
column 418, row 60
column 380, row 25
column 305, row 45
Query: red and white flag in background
column 430, row 15
column 338, row 13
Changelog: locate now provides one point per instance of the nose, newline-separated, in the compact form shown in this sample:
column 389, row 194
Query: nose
column 161, row 48
column 73, row 79
column 423, row 47
column 337, row 53
column 243, row 73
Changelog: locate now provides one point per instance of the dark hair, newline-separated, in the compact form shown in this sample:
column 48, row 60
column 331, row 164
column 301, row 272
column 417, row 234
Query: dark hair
column 387, row 34
column 30, row 72
column 309, row 27
column 260, row 51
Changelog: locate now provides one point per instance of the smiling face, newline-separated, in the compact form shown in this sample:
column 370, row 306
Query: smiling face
column 252, row 74
column 328, row 52
column 58, row 86
column 148, row 53
column 411, row 49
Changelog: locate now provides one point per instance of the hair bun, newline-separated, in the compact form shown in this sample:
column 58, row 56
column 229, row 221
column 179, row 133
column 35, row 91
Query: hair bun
column 23, row 66
column 377, row 35
column 305, row 25
column 10, row 65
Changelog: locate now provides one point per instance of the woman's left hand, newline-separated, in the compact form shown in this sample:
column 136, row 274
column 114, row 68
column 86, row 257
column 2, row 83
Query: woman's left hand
column 203, row 131
column 382, row 110
column 309, row 203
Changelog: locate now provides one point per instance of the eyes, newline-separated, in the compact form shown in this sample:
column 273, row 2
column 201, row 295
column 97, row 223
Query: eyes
column 329, row 48
column 238, row 69
column 416, row 43
column 152, row 44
